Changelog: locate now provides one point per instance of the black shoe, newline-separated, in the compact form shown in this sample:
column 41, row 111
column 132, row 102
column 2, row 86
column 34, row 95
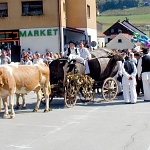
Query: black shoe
column 127, row 102
column 121, row 93
column 146, row 100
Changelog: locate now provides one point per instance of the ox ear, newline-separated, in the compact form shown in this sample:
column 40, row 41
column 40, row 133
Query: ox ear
column 0, row 72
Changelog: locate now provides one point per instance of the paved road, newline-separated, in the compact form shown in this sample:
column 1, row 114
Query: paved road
column 92, row 126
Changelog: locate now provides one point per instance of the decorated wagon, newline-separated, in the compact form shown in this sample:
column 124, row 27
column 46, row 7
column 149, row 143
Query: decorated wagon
column 68, row 79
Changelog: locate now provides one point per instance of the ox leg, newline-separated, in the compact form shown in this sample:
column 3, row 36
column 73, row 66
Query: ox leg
column 11, row 105
column 23, row 101
column 5, row 103
column 39, row 96
column 17, row 101
column 47, row 92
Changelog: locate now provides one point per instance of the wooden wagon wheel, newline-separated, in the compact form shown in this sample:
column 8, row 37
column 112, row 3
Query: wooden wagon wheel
column 109, row 89
column 70, row 94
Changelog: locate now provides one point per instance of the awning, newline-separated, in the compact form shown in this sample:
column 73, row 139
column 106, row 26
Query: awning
column 74, row 30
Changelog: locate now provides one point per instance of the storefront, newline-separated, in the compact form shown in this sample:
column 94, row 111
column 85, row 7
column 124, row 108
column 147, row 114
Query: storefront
column 40, row 39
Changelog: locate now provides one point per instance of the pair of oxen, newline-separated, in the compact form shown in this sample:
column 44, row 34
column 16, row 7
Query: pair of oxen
column 22, row 79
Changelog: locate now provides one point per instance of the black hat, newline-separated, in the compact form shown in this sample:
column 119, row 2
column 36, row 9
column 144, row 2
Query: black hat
column 145, row 50
column 72, row 42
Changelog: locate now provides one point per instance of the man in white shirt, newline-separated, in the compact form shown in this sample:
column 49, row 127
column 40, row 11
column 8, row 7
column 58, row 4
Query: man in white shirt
column 72, row 52
column 38, row 59
column 84, row 57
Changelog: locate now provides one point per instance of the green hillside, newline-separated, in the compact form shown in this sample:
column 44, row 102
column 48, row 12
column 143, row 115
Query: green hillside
column 139, row 16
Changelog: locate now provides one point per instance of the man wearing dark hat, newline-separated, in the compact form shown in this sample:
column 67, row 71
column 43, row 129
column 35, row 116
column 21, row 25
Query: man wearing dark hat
column 144, row 72
column 72, row 51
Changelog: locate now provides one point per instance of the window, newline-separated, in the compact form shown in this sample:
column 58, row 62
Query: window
column 119, row 40
column 32, row 8
column 119, row 31
column 112, row 31
column 3, row 10
column 88, row 11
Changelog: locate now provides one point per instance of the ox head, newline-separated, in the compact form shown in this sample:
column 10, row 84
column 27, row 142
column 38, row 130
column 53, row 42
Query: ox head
column 56, row 70
column 117, row 57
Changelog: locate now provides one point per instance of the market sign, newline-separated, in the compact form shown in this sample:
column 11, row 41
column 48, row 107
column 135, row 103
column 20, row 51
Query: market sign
column 38, row 32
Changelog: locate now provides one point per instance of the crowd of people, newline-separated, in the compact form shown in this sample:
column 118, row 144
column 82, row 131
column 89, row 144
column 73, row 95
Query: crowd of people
column 133, row 75
column 28, row 57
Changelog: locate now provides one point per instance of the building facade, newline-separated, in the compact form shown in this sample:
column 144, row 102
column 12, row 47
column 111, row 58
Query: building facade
column 46, row 24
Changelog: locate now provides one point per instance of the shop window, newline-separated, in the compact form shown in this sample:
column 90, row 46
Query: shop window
column 3, row 10
column 88, row 11
column 32, row 8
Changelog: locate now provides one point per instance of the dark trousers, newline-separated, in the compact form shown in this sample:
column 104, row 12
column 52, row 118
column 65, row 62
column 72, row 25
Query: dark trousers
column 139, row 86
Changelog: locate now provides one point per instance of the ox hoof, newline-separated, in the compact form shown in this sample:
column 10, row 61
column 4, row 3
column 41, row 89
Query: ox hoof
column 45, row 110
column 12, row 116
column 5, row 116
column 34, row 110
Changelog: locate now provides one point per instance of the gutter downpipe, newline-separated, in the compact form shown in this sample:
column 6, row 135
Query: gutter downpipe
column 59, row 26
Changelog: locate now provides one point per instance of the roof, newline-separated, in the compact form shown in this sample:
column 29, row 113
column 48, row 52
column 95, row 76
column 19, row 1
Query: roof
column 125, row 26
column 74, row 30
column 116, row 26
column 134, row 29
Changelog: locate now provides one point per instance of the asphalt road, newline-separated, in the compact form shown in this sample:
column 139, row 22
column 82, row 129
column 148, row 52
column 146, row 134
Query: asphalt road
column 91, row 126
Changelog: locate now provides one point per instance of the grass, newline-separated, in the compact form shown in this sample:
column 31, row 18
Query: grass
column 140, row 17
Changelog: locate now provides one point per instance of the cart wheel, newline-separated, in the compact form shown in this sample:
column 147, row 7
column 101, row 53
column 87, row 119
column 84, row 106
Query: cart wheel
column 70, row 94
column 86, row 94
column 109, row 89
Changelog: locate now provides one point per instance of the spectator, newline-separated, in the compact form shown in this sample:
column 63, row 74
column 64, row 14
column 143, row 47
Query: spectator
column 51, row 55
column 47, row 58
column 129, row 72
column 29, row 51
column 27, row 61
column 4, row 59
column 9, row 52
column 144, row 73
column 38, row 59
column 139, row 86
column 132, row 58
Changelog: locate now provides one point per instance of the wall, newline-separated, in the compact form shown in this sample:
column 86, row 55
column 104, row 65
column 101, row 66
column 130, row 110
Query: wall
column 15, row 20
column 42, row 42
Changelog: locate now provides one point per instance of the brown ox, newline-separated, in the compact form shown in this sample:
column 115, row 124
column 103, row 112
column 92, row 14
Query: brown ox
column 23, row 79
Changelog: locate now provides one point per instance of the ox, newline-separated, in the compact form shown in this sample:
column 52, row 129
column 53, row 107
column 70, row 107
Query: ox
column 22, row 79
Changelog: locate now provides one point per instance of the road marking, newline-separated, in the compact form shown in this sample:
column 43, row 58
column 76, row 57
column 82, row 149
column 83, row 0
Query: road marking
column 20, row 147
